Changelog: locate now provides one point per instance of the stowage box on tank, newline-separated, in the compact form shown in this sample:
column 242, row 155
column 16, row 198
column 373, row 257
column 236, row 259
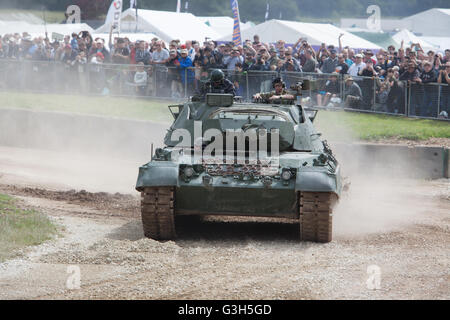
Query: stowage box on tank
column 293, row 173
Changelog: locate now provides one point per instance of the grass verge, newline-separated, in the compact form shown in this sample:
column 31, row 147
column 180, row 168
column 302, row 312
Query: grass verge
column 21, row 228
column 337, row 126
column 372, row 127
column 130, row 108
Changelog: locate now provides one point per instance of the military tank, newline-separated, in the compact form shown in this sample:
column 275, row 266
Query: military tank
column 203, row 171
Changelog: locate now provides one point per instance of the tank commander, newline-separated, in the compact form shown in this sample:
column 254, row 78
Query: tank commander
column 218, row 84
column 279, row 93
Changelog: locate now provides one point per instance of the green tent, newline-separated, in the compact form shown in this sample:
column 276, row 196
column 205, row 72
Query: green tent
column 384, row 40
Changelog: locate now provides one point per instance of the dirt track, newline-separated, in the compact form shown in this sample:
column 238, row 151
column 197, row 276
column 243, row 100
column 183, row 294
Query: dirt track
column 401, row 226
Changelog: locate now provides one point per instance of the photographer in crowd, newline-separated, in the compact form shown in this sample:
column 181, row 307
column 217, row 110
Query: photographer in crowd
column 78, row 60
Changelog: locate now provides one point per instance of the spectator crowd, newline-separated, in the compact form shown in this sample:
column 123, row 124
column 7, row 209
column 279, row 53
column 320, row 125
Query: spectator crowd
column 389, row 79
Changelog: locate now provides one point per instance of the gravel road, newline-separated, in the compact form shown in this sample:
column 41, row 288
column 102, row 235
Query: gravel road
column 392, row 230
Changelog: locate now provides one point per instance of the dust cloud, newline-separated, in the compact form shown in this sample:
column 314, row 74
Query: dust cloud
column 386, row 191
column 98, row 154
column 70, row 151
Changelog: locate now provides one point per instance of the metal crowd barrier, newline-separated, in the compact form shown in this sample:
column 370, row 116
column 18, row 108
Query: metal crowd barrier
column 159, row 81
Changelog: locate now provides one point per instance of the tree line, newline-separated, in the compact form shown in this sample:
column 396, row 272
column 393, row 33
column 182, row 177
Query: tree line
column 250, row 10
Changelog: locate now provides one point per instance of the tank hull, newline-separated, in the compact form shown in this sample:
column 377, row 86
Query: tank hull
column 235, row 201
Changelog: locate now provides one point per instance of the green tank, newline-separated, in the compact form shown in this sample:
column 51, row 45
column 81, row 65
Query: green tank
column 209, row 167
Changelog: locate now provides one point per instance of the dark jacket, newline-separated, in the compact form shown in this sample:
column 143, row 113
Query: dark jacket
column 226, row 87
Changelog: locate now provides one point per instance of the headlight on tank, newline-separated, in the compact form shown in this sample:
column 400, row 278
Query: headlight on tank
column 286, row 175
column 188, row 172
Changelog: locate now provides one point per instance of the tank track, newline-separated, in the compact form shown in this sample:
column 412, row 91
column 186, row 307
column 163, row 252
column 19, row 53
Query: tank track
column 316, row 216
column 157, row 209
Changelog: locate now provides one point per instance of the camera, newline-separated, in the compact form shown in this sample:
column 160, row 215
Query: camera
column 442, row 68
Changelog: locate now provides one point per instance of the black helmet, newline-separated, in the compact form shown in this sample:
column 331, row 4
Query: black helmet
column 276, row 81
column 217, row 76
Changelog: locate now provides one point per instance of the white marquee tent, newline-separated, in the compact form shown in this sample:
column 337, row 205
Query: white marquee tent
column 431, row 23
column 410, row 38
column 165, row 25
column 440, row 43
column 37, row 30
column 316, row 33
column 132, row 36
column 224, row 25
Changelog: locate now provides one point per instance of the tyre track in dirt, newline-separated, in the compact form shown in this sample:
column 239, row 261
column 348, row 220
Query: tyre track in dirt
column 402, row 226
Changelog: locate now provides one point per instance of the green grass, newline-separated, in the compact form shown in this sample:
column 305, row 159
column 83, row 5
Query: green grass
column 21, row 228
column 370, row 127
column 105, row 106
column 334, row 125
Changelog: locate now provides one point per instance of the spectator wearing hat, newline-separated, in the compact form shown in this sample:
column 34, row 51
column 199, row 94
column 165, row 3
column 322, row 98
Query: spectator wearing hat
column 99, row 46
column 330, row 64
column 369, row 56
column 173, row 74
column 357, row 67
column 352, row 94
column 330, row 90
column 186, row 71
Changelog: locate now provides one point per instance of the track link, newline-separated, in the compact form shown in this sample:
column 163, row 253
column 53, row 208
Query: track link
column 316, row 216
column 157, row 209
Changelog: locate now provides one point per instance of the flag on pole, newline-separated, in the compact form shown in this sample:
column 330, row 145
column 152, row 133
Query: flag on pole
column 178, row 6
column 134, row 5
column 236, row 26
column 114, row 15
column 267, row 12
